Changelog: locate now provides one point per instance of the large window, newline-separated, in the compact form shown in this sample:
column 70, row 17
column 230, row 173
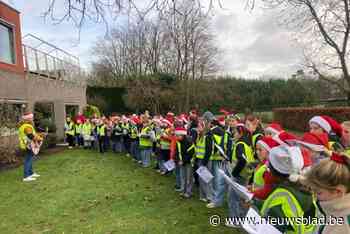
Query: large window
column 7, row 51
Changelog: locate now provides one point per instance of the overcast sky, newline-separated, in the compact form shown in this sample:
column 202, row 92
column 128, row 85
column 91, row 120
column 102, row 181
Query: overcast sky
column 252, row 43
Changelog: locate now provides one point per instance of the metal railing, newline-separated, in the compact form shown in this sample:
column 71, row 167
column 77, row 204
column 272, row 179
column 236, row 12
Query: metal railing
column 39, row 62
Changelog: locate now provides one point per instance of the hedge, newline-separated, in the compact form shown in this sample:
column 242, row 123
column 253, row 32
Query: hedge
column 298, row 118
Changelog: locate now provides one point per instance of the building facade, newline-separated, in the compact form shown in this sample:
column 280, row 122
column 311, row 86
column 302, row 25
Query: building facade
column 29, row 75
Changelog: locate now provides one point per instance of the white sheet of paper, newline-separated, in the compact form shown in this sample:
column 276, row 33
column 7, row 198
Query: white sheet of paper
column 169, row 165
column 204, row 174
column 260, row 226
column 243, row 191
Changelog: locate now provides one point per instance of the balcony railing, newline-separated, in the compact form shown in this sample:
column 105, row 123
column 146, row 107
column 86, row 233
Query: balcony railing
column 38, row 60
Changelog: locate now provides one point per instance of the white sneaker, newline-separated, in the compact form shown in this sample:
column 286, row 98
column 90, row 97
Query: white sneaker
column 28, row 179
column 211, row 205
column 203, row 200
column 34, row 175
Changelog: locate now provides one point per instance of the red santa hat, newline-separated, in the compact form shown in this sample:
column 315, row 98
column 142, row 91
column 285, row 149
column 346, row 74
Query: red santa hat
column 221, row 120
column 28, row 116
column 183, row 118
column 165, row 122
column 194, row 112
column 224, row 111
column 274, row 128
column 135, row 120
column 328, row 124
column 285, row 138
column 287, row 160
column 267, row 143
column 315, row 142
column 180, row 131
column 169, row 114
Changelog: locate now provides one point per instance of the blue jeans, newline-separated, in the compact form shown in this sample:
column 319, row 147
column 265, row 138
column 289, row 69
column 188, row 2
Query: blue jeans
column 28, row 164
column 220, row 184
column 186, row 178
column 213, row 167
column 146, row 157
column 117, row 146
column 234, row 201
column 134, row 148
column 178, row 177
column 204, row 189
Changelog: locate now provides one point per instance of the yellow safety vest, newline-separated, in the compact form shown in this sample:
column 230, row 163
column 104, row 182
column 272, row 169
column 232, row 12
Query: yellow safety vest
column 249, row 157
column 215, row 152
column 101, row 130
column 164, row 144
column 133, row 132
column 178, row 146
column 87, row 129
column 23, row 139
column 290, row 207
column 248, row 152
column 226, row 136
column 145, row 142
column 200, row 147
column 258, row 179
column 70, row 130
column 254, row 138
column 78, row 128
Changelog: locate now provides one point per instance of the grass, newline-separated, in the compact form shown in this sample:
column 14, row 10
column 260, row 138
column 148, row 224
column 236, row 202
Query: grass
column 82, row 192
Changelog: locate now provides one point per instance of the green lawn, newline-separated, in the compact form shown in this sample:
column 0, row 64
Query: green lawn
column 83, row 192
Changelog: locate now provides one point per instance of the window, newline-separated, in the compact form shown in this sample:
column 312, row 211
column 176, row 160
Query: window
column 7, row 51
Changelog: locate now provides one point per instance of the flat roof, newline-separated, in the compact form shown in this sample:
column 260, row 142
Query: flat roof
column 12, row 8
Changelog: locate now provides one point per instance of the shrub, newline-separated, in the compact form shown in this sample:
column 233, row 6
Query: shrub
column 47, row 125
column 266, row 117
column 298, row 118
column 8, row 147
column 90, row 111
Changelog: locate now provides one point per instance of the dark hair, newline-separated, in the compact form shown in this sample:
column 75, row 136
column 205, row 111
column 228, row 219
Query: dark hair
column 245, row 134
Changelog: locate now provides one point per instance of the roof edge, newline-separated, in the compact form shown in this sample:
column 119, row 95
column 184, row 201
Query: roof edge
column 12, row 8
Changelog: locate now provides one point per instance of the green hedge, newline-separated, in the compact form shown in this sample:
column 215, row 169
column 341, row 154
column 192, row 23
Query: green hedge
column 298, row 118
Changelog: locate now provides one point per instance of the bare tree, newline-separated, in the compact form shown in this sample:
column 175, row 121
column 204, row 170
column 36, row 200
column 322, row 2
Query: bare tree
column 322, row 28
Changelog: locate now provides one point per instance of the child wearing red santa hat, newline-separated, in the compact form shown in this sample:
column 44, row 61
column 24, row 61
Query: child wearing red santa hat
column 326, row 124
column 263, row 181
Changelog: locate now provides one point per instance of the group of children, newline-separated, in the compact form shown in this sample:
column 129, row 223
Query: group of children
column 289, row 176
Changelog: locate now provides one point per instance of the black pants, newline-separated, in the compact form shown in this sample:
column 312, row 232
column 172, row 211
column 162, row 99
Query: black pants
column 126, row 141
column 102, row 144
column 70, row 140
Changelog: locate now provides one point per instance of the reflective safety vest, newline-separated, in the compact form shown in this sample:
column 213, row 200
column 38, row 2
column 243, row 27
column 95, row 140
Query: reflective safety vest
column 78, row 128
column 200, row 147
column 101, row 130
column 179, row 149
column 145, row 142
column 23, row 139
column 70, row 130
column 225, row 139
column 164, row 144
column 158, row 134
column 87, row 129
column 291, row 209
column 248, row 152
column 125, row 126
column 133, row 132
column 254, row 138
column 215, row 155
column 249, row 157
column 258, row 179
